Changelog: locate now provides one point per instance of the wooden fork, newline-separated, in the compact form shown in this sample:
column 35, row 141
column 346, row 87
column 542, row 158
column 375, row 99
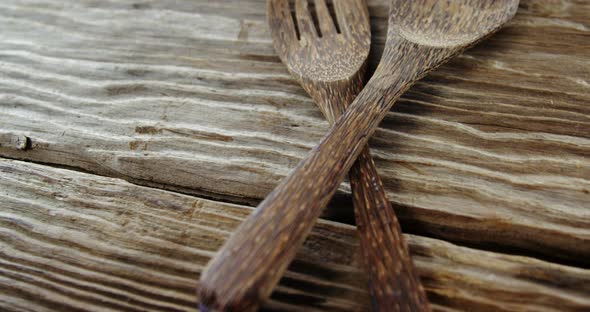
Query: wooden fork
column 422, row 35
column 330, row 63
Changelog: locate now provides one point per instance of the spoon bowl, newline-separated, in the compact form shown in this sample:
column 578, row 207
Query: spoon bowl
column 428, row 22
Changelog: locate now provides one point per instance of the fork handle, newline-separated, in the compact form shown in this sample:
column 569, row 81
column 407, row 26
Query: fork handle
column 394, row 284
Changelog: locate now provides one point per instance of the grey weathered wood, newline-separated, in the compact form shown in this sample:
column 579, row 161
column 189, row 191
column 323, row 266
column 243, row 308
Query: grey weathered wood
column 492, row 149
column 75, row 241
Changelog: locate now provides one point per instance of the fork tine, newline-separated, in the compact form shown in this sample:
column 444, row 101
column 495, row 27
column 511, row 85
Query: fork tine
column 306, row 27
column 279, row 17
column 351, row 14
column 324, row 18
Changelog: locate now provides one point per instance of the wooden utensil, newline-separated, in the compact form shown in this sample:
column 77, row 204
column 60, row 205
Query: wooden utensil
column 422, row 35
column 330, row 63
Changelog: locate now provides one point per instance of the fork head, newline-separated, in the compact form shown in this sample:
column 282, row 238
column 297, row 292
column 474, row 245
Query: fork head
column 335, row 50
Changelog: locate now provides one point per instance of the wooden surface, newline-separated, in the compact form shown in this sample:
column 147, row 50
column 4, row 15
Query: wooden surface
column 490, row 151
column 75, row 241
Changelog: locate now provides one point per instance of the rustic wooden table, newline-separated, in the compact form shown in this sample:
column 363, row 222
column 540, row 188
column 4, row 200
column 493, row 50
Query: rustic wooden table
column 135, row 135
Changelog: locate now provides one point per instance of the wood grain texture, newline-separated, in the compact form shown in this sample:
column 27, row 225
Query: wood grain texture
column 259, row 251
column 490, row 150
column 77, row 242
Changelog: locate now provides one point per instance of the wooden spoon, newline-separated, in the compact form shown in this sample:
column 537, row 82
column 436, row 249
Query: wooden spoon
column 422, row 35
column 330, row 63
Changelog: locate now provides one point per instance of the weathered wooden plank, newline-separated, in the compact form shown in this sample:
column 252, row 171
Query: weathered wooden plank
column 75, row 241
column 491, row 149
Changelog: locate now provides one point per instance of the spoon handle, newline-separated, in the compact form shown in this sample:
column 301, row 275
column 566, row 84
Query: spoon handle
column 246, row 269
column 394, row 284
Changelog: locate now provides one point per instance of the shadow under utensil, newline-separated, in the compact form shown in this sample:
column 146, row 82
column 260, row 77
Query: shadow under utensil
column 338, row 287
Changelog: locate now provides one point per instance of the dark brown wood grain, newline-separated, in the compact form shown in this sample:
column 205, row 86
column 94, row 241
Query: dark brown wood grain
column 329, row 61
column 245, row 270
column 394, row 284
